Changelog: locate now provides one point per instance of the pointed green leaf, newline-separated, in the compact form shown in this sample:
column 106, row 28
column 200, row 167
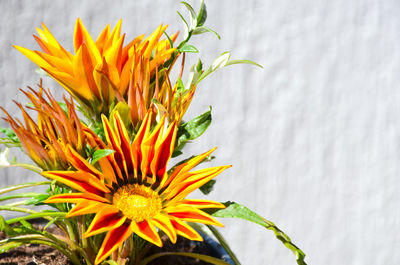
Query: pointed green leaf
column 202, row 16
column 188, row 48
column 192, row 129
column 208, row 187
column 235, row 210
column 221, row 61
column 37, row 199
column 243, row 62
column 193, row 16
column 204, row 29
column 99, row 154
column 187, row 28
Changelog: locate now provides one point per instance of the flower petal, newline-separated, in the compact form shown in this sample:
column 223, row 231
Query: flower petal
column 163, row 222
column 79, row 180
column 75, row 198
column 191, row 214
column 146, row 231
column 201, row 203
column 105, row 220
column 185, row 230
column 86, row 207
column 112, row 241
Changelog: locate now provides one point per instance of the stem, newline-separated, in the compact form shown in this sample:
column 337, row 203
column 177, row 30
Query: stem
column 15, row 196
column 24, row 185
column 46, row 215
column 224, row 244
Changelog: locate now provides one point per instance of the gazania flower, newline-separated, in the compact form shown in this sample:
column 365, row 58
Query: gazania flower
column 100, row 71
column 133, row 193
column 45, row 140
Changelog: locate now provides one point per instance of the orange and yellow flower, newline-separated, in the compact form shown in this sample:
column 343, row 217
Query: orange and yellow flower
column 45, row 140
column 133, row 192
column 100, row 71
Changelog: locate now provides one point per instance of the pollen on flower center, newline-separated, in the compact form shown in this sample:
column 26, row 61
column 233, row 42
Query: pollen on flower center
column 137, row 202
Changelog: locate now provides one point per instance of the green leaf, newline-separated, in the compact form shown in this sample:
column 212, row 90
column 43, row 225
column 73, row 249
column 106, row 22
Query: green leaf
column 243, row 62
column 10, row 245
column 99, row 154
column 37, row 199
column 204, row 29
column 188, row 48
column 193, row 16
column 193, row 129
column 235, row 210
column 199, row 66
column 202, row 16
column 187, row 28
column 221, row 61
column 11, row 138
column 208, row 187
column 201, row 257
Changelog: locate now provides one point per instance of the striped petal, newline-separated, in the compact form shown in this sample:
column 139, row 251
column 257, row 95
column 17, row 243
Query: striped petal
column 147, row 231
column 185, row 230
column 112, row 241
column 105, row 220
column 86, row 207
column 81, row 181
column 191, row 214
column 75, row 198
column 163, row 222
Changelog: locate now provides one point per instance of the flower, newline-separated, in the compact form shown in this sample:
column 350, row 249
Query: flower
column 45, row 141
column 133, row 192
column 100, row 71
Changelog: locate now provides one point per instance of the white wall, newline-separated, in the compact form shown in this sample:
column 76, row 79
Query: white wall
column 314, row 137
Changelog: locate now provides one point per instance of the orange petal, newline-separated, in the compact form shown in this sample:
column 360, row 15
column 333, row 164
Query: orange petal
column 191, row 214
column 125, row 142
column 114, row 143
column 191, row 182
column 164, row 223
column 185, row 230
column 82, row 164
column 112, row 241
column 81, row 181
column 163, row 153
column 82, row 36
column 186, row 167
column 147, row 231
column 201, row 203
column 75, row 198
column 105, row 220
column 86, row 207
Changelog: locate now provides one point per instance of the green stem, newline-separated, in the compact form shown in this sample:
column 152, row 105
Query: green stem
column 22, row 186
column 16, row 196
column 224, row 244
column 46, row 215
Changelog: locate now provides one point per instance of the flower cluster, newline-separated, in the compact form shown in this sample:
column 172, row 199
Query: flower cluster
column 105, row 149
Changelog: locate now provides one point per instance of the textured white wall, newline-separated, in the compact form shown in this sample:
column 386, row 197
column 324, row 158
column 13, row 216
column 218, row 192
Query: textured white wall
column 314, row 137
